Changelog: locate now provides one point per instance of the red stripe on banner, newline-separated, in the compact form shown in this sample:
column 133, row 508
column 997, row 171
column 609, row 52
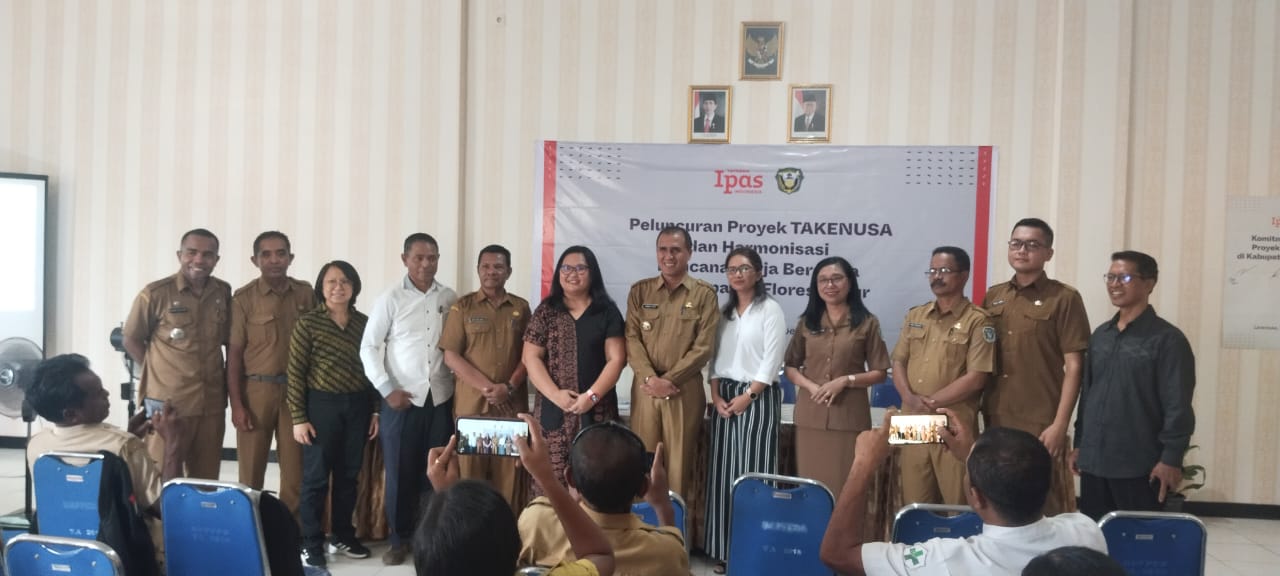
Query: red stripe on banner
column 548, row 215
column 981, row 225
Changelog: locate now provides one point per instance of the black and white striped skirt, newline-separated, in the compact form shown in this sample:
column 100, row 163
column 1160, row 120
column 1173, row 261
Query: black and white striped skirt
column 746, row 442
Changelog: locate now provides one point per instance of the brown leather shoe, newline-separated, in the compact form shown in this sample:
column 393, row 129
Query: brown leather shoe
column 396, row 555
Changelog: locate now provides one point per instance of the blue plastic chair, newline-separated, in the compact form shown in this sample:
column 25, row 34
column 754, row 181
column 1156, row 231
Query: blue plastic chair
column 915, row 523
column 41, row 555
column 884, row 395
column 788, row 389
column 212, row 528
column 778, row 530
column 646, row 513
column 1156, row 543
column 67, row 494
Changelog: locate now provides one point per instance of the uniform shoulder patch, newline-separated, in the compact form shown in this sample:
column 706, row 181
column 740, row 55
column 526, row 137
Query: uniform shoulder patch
column 989, row 334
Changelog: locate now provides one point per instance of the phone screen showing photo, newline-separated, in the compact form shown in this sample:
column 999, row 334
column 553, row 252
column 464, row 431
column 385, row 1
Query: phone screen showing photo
column 152, row 406
column 916, row 429
column 490, row 436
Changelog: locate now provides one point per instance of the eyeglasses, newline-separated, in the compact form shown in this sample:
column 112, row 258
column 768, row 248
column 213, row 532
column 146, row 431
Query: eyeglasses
column 1030, row 245
column 629, row 433
column 1121, row 278
column 742, row 270
column 832, row 281
column 568, row 269
column 939, row 271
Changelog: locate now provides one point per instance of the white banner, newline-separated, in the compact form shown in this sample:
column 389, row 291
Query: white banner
column 883, row 208
column 1251, row 295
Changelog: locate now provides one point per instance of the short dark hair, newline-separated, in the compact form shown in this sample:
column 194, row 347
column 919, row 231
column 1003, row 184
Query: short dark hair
column 672, row 229
column 467, row 529
column 493, row 249
column 760, row 293
column 608, row 466
column 417, row 237
column 347, row 270
column 53, row 388
column 217, row 245
column 1040, row 225
column 962, row 257
column 257, row 242
column 1073, row 560
column 1012, row 469
column 1147, row 267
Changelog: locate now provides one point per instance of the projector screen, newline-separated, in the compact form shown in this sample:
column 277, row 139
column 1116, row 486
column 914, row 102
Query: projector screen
column 22, row 260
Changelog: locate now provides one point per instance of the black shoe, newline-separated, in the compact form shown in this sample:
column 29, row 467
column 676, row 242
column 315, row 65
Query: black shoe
column 313, row 557
column 351, row 548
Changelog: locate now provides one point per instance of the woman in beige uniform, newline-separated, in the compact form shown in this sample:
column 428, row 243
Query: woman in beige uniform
column 835, row 354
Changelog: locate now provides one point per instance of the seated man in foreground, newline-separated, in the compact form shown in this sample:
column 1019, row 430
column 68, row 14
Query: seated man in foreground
column 468, row 527
column 1008, row 480
column 607, row 473
column 67, row 393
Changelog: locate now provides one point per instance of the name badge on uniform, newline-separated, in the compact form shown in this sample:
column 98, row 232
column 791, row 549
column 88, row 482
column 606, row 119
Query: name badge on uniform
column 177, row 334
column 997, row 302
column 178, row 308
column 646, row 326
column 477, row 320
column 649, row 306
column 914, row 325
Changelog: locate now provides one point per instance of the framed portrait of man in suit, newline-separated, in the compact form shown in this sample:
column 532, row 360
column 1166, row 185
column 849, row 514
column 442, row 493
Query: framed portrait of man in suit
column 810, row 106
column 709, row 114
column 761, row 57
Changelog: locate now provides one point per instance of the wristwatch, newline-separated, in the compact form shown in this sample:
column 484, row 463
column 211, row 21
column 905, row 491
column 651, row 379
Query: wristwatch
column 753, row 395
column 595, row 398
column 852, row 378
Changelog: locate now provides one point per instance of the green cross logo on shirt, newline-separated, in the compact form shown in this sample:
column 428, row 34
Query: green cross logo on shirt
column 914, row 557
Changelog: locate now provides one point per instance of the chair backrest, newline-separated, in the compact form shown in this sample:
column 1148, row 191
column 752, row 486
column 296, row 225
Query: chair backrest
column 916, row 523
column 212, row 528
column 646, row 513
column 884, row 395
column 66, row 488
column 41, row 555
column 774, row 530
column 1156, row 543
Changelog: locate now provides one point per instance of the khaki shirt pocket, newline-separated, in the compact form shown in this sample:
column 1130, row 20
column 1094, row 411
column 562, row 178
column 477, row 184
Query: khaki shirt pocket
column 957, row 348
column 262, row 332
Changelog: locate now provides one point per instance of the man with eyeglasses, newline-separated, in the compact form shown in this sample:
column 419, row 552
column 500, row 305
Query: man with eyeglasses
column 1135, row 418
column 607, row 472
column 1045, row 332
column 671, row 329
column 943, row 358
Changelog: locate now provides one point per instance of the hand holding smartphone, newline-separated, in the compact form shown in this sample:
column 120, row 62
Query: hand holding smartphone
column 484, row 436
column 152, row 407
column 908, row 429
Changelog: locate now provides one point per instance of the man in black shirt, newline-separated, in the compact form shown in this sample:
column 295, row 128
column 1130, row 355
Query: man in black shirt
column 1135, row 419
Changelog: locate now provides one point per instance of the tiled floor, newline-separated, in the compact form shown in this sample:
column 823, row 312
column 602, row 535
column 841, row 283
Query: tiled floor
column 1236, row 546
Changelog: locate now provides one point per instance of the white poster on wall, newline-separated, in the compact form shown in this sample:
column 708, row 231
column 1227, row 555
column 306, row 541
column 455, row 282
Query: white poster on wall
column 1251, row 296
column 883, row 208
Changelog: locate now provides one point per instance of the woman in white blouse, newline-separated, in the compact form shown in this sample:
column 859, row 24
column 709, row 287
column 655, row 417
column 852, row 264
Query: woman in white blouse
column 744, row 432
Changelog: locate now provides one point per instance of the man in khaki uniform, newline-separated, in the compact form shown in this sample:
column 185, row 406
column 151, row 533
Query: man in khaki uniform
column 607, row 472
column 1045, row 332
column 482, row 342
column 263, row 313
column 942, row 360
column 671, row 329
column 176, row 331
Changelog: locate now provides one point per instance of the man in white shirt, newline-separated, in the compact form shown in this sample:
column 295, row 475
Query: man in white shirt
column 401, row 359
column 1009, row 474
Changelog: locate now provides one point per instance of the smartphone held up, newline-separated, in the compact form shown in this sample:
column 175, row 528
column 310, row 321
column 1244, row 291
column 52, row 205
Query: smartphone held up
column 485, row 436
column 906, row 429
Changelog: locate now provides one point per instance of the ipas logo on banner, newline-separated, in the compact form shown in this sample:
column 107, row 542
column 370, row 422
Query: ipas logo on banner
column 739, row 181
column 789, row 180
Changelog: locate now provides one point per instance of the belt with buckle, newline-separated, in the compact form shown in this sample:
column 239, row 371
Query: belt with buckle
column 275, row 379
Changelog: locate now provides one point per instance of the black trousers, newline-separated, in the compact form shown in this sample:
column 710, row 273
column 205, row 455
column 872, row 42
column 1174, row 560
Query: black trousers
column 1101, row 495
column 342, row 426
column 407, row 435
